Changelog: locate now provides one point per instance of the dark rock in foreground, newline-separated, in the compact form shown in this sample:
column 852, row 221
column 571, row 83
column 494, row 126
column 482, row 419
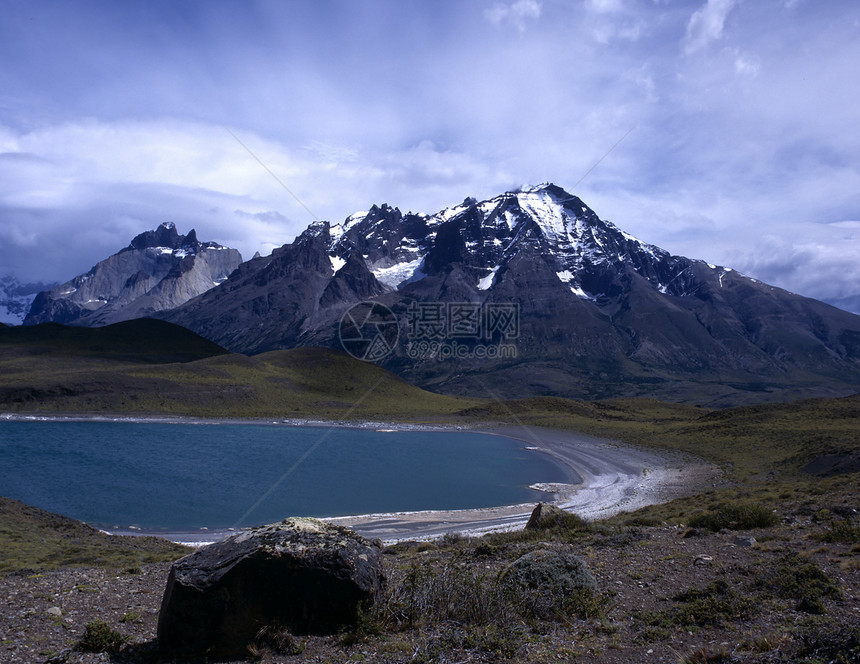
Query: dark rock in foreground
column 300, row 574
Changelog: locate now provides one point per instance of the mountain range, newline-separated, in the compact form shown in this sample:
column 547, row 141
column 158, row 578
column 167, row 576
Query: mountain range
column 159, row 270
column 591, row 310
column 526, row 293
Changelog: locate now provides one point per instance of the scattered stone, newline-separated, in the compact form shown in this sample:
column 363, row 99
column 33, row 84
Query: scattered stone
column 300, row 574
column 691, row 532
column 55, row 611
column 744, row 541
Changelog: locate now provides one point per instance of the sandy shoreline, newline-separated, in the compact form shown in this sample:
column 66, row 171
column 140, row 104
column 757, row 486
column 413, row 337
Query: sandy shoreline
column 604, row 477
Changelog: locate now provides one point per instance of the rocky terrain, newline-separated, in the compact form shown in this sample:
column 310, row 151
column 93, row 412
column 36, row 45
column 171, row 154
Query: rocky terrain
column 784, row 592
column 761, row 564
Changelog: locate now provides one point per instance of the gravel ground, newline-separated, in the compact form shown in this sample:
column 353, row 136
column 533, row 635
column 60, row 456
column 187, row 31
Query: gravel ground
column 640, row 571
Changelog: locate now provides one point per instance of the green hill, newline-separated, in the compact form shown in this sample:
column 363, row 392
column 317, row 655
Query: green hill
column 149, row 367
column 144, row 340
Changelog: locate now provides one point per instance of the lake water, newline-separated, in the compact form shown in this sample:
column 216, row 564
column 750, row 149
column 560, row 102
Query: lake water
column 178, row 477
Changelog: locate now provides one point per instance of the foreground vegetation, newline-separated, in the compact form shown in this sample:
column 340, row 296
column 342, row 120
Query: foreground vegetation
column 34, row 540
column 605, row 592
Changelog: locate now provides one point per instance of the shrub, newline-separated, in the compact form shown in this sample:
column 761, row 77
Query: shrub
column 550, row 585
column 549, row 517
column 840, row 530
column 427, row 594
column 804, row 581
column 703, row 656
column 736, row 516
column 99, row 637
column 716, row 603
column 276, row 640
column 543, row 584
column 829, row 641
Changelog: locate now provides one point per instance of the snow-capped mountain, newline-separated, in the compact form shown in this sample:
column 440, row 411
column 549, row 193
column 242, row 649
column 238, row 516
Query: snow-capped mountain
column 545, row 218
column 598, row 312
column 159, row 270
column 16, row 298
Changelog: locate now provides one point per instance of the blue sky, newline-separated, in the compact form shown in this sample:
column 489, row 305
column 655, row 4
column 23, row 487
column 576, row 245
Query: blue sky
column 741, row 117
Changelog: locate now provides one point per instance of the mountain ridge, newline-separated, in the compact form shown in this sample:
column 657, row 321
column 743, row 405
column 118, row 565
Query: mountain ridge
column 600, row 312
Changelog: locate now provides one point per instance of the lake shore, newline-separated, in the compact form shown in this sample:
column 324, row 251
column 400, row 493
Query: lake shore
column 603, row 477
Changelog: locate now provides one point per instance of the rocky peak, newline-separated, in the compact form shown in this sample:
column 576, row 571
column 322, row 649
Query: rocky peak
column 163, row 236
column 159, row 269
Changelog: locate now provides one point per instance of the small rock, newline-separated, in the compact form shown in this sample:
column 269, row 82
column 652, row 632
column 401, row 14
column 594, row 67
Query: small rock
column 54, row 611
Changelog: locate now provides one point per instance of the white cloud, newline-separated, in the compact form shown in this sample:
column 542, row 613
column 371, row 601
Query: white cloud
column 706, row 24
column 747, row 65
column 516, row 14
column 604, row 6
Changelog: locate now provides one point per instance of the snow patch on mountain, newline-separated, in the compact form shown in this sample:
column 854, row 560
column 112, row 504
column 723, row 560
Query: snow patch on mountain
column 398, row 275
column 336, row 262
column 487, row 282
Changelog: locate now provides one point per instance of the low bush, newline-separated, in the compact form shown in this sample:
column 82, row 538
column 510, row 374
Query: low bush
column 540, row 585
column 549, row 585
column 736, row 516
column 99, row 637
column 840, row 530
column 802, row 580
column 824, row 640
column 715, row 604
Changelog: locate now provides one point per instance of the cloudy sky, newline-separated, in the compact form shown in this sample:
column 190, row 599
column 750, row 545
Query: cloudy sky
column 727, row 130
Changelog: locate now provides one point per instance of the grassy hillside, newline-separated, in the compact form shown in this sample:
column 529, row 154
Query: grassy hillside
column 144, row 340
column 749, row 441
column 62, row 376
column 34, row 539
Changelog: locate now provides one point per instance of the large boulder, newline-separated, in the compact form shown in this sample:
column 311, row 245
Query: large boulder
column 300, row 574
column 547, row 517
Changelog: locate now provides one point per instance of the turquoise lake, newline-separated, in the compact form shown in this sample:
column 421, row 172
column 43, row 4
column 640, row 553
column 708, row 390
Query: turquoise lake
column 178, row 477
